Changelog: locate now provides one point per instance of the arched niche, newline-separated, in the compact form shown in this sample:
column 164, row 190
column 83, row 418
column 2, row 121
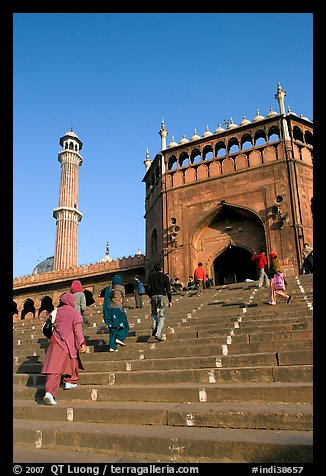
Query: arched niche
column 241, row 162
column 306, row 156
column 255, row 158
column 178, row 179
column 227, row 166
column 269, row 154
column 215, row 168
column 168, row 181
column 202, row 172
column 190, row 175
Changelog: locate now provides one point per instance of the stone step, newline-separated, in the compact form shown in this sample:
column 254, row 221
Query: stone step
column 266, row 416
column 294, row 357
column 175, row 333
column 187, row 322
column 294, row 373
column 169, row 444
column 156, row 350
column 266, row 392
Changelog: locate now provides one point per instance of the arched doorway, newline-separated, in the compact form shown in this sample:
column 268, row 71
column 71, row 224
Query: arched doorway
column 233, row 265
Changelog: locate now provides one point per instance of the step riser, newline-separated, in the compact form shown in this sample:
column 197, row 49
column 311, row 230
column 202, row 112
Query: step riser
column 230, row 419
column 169, row 449
column 289, row 394
column 252, row 360
column 268, row 374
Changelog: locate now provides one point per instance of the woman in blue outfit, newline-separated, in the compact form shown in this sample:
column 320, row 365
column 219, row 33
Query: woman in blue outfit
column 114, row 314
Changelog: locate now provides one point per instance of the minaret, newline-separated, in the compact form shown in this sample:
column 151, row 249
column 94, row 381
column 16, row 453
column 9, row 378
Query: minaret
column 147, row 161
column 67, row 214
column 163, row 133
column 280, row 95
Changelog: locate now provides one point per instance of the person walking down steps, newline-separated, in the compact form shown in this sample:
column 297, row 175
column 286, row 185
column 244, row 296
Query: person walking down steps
column 114, row 314
column 159, row 291
column 62, row 355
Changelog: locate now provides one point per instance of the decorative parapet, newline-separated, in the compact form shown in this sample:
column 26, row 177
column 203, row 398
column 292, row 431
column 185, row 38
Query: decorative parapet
column 80, row 271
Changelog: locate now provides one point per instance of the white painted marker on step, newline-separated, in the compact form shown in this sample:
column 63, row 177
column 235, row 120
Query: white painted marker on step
column 202, row 395
column 218, row 362
column 38, row 439
column 211, row 376
column 111, row 379
column 94, row 394
column 190, row 419
column 128, row 366
column 229, row 340
column 225, row 349
column 70, row 414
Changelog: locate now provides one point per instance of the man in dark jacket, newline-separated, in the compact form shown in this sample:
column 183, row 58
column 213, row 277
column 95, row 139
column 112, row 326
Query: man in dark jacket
column 159, row 291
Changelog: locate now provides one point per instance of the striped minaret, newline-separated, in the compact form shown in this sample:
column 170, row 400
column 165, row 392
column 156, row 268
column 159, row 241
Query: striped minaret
column 67, row 214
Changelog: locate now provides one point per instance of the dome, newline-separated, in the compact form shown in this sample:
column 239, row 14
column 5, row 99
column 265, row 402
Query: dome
column 72, row 135
column 44, row 266
column 271, row 113
column 219, row 129
column 258, row 117
column 106, row 258
column 291, row 112
column 231, row 124
column 304, row 117
column 195, row 136
column 184, row 140
column 172, row 143
column 244, row 121
column 207, row 132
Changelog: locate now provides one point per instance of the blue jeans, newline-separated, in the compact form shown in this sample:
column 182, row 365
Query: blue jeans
column 159, row 305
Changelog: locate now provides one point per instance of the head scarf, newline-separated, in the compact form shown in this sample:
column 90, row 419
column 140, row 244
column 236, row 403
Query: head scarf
column 76, row 286
column 68, row 299
column 117, row 279
column 272, row 255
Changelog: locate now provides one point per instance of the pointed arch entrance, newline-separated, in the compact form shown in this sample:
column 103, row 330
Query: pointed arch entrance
column 233, row 265
column 225, row 241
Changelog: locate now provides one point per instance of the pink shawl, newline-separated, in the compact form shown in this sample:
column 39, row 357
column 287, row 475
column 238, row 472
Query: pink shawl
column 68, row 326
column 76, row 286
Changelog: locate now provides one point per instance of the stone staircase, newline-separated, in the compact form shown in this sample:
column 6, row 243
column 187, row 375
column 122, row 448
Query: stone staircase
column 231, row 383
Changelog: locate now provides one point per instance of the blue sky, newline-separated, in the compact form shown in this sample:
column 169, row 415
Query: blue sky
column 112, row 77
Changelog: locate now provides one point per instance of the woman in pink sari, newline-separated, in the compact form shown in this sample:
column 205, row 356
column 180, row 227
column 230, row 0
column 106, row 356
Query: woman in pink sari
column 62, row 354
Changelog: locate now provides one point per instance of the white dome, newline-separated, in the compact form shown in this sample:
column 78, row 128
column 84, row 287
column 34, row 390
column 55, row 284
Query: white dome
column 195, row 136
column 184, row 140
column 219, row 129
column 271, row 113
column 244, row 121
column 207, row 132
column 258, row 117
column 231, row 124
column 304, row 117
column 172, row 143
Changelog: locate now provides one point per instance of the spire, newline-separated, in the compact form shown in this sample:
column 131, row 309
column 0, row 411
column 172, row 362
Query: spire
column 163, row 133
column 280, row 95
column 147, row 161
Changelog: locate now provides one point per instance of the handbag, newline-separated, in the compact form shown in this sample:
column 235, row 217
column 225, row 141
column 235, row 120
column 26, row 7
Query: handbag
column 49, row 324
column 279, row 282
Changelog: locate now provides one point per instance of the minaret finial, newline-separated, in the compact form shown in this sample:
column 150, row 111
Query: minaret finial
column 147, row 161
column 163, row 133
